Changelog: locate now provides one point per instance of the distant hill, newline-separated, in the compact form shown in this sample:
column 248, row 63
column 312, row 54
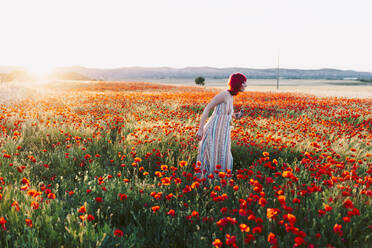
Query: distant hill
column 67, row 75
column 21, row 74
column 126, row 73
column 9, row 69
column 210, row 72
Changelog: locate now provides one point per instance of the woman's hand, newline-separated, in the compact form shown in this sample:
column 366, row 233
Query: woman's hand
column 199, row 134
column 239, row 114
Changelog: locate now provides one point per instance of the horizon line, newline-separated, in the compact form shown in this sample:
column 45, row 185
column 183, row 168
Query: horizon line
column 186, row 67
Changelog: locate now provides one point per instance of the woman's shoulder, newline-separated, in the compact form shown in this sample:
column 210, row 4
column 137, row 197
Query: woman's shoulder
column 224, row 94
column 227, row 95
column 221, row 97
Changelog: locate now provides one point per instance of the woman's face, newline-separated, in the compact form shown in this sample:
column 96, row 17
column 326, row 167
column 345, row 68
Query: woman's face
column 243, row 86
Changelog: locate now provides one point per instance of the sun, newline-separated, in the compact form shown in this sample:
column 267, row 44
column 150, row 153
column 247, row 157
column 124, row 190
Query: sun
column 39, row 70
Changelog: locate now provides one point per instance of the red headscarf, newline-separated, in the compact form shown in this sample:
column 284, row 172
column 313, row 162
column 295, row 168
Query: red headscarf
column 235, row 83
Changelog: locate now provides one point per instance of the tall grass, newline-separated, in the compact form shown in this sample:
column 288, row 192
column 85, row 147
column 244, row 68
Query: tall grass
column 94, row 168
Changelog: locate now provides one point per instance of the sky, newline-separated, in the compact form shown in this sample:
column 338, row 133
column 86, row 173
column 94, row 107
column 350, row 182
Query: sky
column 300, row 34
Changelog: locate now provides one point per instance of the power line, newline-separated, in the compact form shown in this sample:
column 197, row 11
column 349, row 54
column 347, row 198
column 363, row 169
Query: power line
column 277, row 73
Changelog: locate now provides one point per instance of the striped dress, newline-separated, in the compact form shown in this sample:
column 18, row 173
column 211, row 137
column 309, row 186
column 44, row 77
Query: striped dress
column 215, row 146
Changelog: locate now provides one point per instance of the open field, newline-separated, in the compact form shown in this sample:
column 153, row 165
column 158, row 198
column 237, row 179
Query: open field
column 320, row 88
column 336, row 88
column 110, row 164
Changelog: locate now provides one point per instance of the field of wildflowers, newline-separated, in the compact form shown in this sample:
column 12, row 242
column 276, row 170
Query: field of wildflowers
column 111, row 164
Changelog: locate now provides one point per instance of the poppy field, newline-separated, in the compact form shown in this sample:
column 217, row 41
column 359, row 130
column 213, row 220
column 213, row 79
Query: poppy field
column 112, row 164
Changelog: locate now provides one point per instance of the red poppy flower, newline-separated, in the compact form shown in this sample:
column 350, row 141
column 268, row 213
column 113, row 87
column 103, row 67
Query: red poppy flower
column 217, row 243
column 271, row 238
column 338, row 229
column 82, row 209
column 155, row 209
column 29, row 222
column 171, row 212
column 118, row 233
column 244, row 228
column 90, row 217
column 348, row 203
column 3, row 222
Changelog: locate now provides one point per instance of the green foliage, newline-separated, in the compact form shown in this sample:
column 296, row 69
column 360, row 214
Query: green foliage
column 369, row 80
column 83, row 165
column 199, row 80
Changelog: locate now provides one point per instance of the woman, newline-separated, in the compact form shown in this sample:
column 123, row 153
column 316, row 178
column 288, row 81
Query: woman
column 215, row 140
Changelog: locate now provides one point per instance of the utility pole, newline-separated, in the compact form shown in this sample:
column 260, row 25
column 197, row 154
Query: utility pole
column 277, row 73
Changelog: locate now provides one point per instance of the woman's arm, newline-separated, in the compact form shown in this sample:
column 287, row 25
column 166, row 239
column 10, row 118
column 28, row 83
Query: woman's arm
column 215, row 101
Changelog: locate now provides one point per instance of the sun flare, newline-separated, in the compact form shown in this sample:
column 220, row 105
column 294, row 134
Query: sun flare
column 39, row 70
